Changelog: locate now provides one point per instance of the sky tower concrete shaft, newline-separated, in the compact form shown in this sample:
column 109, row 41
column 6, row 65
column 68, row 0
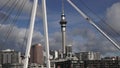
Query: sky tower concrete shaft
column 63, row 23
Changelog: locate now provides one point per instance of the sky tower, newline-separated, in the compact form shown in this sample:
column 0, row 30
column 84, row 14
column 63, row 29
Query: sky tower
column 63, row 23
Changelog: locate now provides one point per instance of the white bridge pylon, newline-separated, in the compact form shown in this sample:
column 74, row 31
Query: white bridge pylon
column 30, row 34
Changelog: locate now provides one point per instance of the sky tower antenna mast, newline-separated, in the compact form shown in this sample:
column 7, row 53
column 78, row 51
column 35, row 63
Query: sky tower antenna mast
column 94, row 25
column 62, row 6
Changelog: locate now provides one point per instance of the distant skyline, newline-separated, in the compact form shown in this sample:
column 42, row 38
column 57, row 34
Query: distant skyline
column 79, row 32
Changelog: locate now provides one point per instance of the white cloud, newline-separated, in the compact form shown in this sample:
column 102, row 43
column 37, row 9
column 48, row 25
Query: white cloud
column 113, row 16
column 17, row 4
column 83, row 40
column 55, row 41
column 95, row 43
column 15, row 39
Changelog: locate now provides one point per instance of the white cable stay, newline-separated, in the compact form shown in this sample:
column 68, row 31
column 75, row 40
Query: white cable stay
column 93, row 24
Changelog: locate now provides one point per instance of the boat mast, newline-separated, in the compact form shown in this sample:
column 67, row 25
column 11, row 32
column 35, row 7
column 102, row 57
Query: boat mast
column 31, row 28
column 93, row 24
column 46, row 32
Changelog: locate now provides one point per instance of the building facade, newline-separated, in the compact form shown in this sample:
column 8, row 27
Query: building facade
column 69, row 51
column 88, row 56
column 10, row 56
column 88, row 64
column 36, row 54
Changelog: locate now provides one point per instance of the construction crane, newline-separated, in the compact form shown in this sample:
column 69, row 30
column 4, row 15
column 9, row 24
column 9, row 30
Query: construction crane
column 93, row 24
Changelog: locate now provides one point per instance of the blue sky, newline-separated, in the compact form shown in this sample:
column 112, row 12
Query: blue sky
column 79, row 32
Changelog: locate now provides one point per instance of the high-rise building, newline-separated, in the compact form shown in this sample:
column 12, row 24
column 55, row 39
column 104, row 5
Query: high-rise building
column 36, row 54
column 69, row 50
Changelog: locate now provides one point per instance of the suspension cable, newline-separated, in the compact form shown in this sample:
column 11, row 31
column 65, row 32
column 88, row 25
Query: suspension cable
column 15, row 18
column 9, row 12
column 6, row 3
column 12, row 25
